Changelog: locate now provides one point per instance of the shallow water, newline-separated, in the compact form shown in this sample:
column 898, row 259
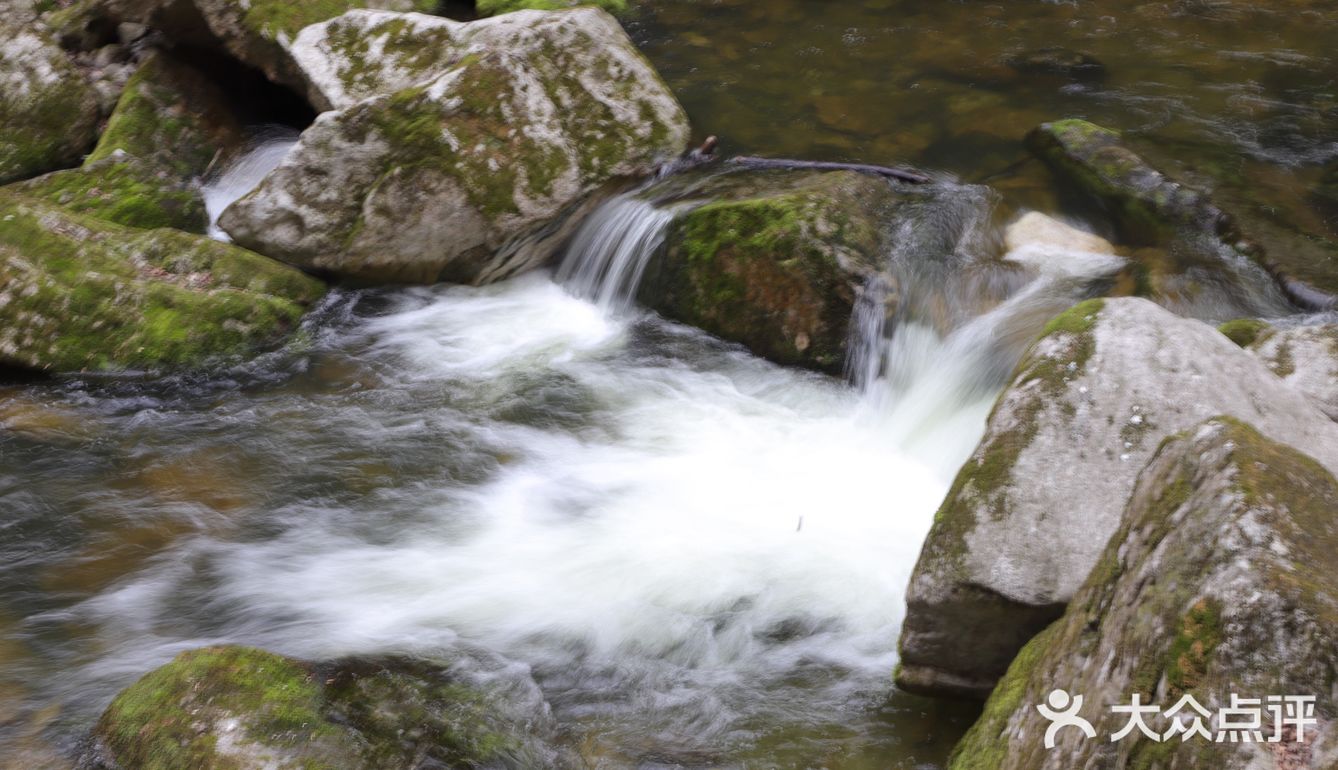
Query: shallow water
column 696, row 558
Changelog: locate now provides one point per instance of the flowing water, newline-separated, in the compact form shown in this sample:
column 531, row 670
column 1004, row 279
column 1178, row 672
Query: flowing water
column 696, row 558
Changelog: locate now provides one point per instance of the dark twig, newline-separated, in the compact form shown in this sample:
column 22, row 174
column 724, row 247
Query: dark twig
column 863, row 168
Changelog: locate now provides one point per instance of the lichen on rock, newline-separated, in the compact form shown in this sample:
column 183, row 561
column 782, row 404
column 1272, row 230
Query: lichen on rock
column 458, row 151
column 1031, row 510
column 1306, row 358
column 48, row 113
column 1225, row 552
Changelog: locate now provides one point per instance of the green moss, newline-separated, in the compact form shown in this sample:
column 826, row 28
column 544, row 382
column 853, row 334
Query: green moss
column 152, row 725
column 50, row 127
column 171, row 117
column 495, row 7
column 985, row 745
column 1188, row 658
column 1245, row 331
column 87, row 294
column 1283, row 365
column 123, row 192
column 273, row 18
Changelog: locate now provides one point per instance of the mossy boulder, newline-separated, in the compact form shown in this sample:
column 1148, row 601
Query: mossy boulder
column 1150, row 208
column 48, row 112
column 257, row 33
column 775, row 262
column 238, row 708
column 459, row 152
column 1029, row 513
column 1222, row 579
column 1306, row 358
column 494, row 7
column 172, row 117
column 123, row 190
column 78, row 293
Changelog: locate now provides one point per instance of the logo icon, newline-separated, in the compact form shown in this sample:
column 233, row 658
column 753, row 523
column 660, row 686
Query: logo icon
column 1062, row 712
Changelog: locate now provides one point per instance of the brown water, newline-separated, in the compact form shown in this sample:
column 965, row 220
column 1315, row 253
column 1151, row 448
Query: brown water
column 609, row 504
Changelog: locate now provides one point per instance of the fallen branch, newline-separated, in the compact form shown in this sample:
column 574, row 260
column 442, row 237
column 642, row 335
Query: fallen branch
column 863, row 168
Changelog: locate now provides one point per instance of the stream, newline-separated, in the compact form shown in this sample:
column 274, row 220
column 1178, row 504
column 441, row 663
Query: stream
column 693, row 557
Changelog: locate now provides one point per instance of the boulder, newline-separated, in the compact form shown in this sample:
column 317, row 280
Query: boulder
column 48, row 113
column 1149, row 207
column 1029, row 513
column 257, row 33
column 494, row 7
column 172, row 117
column 776, row 265
column 1306, row 358
column 457, row 152
column 123, row 190
column 80, row 293
column 1222, row 580
column 239, row 708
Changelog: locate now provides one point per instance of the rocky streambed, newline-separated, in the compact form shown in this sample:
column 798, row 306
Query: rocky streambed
column 385, row 389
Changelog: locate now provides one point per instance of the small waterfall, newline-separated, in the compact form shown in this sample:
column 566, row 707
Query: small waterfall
column 609, row 253
column 267, row 151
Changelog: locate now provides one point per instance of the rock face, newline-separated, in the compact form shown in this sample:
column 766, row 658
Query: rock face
column 80, row 293
column 48, row 113
column 1148, row 206
column 457, row 151
column 123, row 190
column 1220, row 581
column 225, row 708
column 1305, row 357
column 1032, row 509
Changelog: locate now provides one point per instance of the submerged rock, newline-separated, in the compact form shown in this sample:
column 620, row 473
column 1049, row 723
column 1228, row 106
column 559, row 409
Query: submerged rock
column 1031, row 510
column 1221, row 581
column 1055, row 60
column 48, row 113
column 1147, row 207
column 458, row 152
column 776, row 266
column 238, row 708
column 79, row 293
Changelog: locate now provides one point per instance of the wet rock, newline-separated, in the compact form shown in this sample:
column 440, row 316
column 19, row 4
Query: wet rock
column 1030, row 512
column 1064, row 62
column 1149, row 207
column 172, row 117
column 240, row 708
column 460, row 152
column 79, row 293
column 1056, row 248
column 1221, row 580
column 1306, row 358
column 777, row 260
column 48, row 113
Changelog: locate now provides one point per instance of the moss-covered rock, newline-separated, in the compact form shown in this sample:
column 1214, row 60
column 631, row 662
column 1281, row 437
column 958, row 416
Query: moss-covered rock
column 123, row 190
column 238, row 708
column 460, row 151
column 79, row 293
column 1221, row 580
column 173, row 118
column 1245, row 331
column 776, row 263
column 48, row 113
column 1030, row 512
column 1150, row 208
column 494, row 7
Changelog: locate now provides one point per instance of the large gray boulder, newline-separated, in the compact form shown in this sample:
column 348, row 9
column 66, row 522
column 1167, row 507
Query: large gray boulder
column 1222, row 580
column 1305, row 357
column 48, row 112
column 457, row 151
column 1031, row 510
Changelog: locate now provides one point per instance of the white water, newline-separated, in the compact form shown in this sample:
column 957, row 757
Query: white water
column 684, row 546
column 267, row 151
